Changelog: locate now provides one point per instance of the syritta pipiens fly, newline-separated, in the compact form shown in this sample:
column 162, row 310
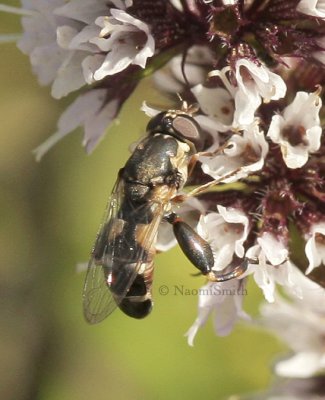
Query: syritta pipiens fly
column 120, row 270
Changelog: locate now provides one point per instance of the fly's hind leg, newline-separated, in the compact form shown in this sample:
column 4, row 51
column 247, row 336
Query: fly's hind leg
column 196, row 249
column 200, row 254
column 235, row 270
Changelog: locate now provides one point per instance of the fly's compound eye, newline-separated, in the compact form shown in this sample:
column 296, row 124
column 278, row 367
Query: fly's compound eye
column 177, row 124
column 187, row 127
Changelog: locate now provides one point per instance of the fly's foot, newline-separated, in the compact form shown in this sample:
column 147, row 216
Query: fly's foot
column 235, row 270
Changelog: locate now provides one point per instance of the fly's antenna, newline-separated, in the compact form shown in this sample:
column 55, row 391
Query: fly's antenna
column 183, row 67
column 189, row 109
column 184, row 103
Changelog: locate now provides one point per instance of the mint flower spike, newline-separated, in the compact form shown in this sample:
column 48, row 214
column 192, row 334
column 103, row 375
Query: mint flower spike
column 83, row 45
column 71, row 40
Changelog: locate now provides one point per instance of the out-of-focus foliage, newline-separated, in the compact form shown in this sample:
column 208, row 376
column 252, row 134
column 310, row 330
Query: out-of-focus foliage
column 50, row 213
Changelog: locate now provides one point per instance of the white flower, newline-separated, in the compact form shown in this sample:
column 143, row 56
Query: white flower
column 229, row 2
column 298, row 130
column 303, row 332
column 312, row 296
column 255, row 83
column 89, row 110
column 301, row 324
column 225, row 231
column 70, row 46
column 244, row 153
column 224, row 302
column 315, row 8
column 125, row 40
column 272, row 266
column 315, row 246
column 217, row 104
column 149, row 111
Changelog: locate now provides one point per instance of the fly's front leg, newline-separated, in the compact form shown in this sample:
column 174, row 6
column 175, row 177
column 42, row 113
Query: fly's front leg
column 203, row 188
column 195, row 157
column 199, row 252
column 207, row 186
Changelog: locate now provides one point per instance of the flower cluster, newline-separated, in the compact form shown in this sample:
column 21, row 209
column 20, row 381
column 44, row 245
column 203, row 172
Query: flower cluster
column 255, row 68
column 290, row 315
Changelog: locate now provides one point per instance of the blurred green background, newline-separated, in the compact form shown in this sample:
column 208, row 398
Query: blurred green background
column 50, row 213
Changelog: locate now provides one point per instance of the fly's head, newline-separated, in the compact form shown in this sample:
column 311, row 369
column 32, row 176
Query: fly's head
column 179, row 124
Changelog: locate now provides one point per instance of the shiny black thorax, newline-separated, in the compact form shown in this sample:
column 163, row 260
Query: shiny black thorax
column 151, row 164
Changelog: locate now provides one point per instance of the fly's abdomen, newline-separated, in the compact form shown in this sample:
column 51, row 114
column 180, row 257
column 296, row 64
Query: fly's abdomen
column 138, row 301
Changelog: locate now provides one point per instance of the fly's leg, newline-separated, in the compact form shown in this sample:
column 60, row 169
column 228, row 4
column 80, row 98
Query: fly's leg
column 200, row 254
column 235, row 270
column 203, row 188
column 195, row 157
column 196, row 249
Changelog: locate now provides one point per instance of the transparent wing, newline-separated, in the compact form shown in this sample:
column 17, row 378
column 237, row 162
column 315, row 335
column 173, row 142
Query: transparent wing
column 98, row 301
column 124, row 245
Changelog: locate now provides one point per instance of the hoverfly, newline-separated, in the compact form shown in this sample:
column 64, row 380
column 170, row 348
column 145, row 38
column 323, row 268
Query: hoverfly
column 120, row 271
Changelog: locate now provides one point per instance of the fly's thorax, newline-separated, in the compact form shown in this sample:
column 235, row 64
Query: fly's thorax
column 150, row 162
column 157, row 168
